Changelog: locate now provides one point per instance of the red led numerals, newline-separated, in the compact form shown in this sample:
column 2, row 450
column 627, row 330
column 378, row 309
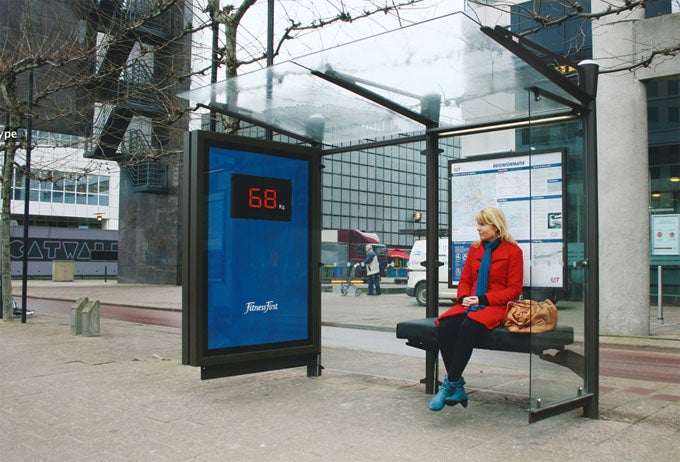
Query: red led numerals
column 261, row 197
column 258, row 198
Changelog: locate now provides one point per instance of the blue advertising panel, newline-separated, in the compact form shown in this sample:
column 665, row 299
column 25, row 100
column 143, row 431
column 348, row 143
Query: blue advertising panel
column 251, row 290
column 257, row 250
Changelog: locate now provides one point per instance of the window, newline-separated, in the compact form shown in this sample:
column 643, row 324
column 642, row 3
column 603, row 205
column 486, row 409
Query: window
column 61, row 187
column 572, row 39
column 663, row 103
column 658, row 8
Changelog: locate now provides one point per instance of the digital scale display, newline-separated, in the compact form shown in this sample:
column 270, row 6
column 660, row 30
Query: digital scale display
column 258, row 250
column 252, row 296
column 260, row 197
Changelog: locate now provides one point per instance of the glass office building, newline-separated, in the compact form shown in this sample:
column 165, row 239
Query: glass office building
column 383, row 191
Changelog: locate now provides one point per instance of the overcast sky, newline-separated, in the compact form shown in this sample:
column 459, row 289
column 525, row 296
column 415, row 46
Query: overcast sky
column 252, row 37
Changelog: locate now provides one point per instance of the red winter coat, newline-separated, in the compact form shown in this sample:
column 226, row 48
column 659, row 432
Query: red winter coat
column 506, row 276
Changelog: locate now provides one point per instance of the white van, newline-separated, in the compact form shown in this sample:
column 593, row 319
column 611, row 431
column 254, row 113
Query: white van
column 415, row 285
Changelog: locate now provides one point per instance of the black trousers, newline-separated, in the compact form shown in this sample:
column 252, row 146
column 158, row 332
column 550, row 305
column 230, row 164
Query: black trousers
column 458, row 336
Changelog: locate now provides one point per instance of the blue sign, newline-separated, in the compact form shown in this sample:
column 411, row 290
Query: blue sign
column 257, row 249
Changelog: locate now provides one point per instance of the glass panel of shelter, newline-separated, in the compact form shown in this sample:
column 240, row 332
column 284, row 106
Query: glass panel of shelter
column 476, row 80
column 546, row 214
column 556, row 247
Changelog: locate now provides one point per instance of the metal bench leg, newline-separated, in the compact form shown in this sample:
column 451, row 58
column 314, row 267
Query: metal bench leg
column 431, row 371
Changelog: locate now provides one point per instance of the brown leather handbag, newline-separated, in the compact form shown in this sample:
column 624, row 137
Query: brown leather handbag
column 530, row 316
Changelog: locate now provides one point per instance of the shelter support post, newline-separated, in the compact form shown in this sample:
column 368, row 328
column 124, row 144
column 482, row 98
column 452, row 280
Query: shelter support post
column 592, row 295
column 432, row 248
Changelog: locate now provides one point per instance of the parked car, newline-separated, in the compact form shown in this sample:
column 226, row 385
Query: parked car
column 415, row 284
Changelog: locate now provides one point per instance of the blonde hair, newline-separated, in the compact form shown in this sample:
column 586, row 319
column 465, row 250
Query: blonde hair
column 495, row 216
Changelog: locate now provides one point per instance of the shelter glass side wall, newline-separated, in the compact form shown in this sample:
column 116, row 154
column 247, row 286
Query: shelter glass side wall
column 559, row 375
column 535, row 175
column 379, row 190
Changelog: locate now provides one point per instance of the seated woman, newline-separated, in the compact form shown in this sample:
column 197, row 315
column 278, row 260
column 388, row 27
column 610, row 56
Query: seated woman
column 492, row 276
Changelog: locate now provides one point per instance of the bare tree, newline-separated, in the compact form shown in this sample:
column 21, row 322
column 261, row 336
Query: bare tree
column 26, row 52
column 231, row 18
column 77, row 53
column 86, row 57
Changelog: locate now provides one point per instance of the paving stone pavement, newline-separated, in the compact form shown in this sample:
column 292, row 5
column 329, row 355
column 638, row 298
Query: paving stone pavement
column 126, row 396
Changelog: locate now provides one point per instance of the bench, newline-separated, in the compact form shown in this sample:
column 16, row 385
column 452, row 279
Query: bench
column 422, row 334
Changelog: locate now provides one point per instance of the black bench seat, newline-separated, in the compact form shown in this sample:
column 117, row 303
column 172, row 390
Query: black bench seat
column 422, row 334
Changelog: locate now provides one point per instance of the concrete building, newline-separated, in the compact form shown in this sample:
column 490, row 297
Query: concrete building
column 111, row 136
column 639, row 138
column 74, row 192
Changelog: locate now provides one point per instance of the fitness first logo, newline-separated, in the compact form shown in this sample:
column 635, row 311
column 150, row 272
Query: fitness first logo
column 269, row 305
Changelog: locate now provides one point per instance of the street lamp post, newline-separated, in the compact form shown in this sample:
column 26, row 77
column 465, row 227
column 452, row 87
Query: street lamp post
column 27, row 192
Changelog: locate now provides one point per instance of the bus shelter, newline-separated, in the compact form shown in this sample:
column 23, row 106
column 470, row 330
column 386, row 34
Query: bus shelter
column 447, row 77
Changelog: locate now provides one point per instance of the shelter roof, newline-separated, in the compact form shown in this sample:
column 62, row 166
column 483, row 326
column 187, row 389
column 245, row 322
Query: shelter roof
column 445, row 72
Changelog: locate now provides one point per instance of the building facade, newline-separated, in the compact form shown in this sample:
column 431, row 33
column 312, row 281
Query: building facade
column 66, row 190
column 112, row 134
column 639, row 166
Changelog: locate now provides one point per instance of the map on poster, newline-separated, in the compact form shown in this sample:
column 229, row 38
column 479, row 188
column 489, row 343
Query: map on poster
column 529, row 189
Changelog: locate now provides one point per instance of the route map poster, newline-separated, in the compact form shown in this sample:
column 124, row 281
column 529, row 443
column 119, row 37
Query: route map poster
column 529, row 189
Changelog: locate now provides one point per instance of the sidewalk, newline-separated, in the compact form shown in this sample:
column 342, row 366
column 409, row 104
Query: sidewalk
column 126, row 396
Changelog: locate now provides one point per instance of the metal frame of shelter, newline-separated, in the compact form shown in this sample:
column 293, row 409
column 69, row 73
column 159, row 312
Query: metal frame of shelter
column 467, row 64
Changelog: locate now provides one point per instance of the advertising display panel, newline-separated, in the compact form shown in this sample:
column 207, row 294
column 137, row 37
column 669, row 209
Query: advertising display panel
column 529, row 189
column 251, row 288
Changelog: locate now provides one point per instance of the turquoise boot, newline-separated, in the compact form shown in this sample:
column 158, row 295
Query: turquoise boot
column 458, row 394
column 437, row 402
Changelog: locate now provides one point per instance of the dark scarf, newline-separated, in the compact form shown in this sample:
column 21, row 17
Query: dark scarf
column 483, row 275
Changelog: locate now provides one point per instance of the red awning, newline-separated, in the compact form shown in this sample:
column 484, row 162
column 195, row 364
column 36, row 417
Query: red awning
column 397, row 253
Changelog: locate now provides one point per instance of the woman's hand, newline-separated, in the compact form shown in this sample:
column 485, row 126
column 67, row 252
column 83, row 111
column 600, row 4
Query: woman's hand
column 470, row 301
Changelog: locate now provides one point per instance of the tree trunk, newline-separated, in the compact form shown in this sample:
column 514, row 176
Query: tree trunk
column 8, row 88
